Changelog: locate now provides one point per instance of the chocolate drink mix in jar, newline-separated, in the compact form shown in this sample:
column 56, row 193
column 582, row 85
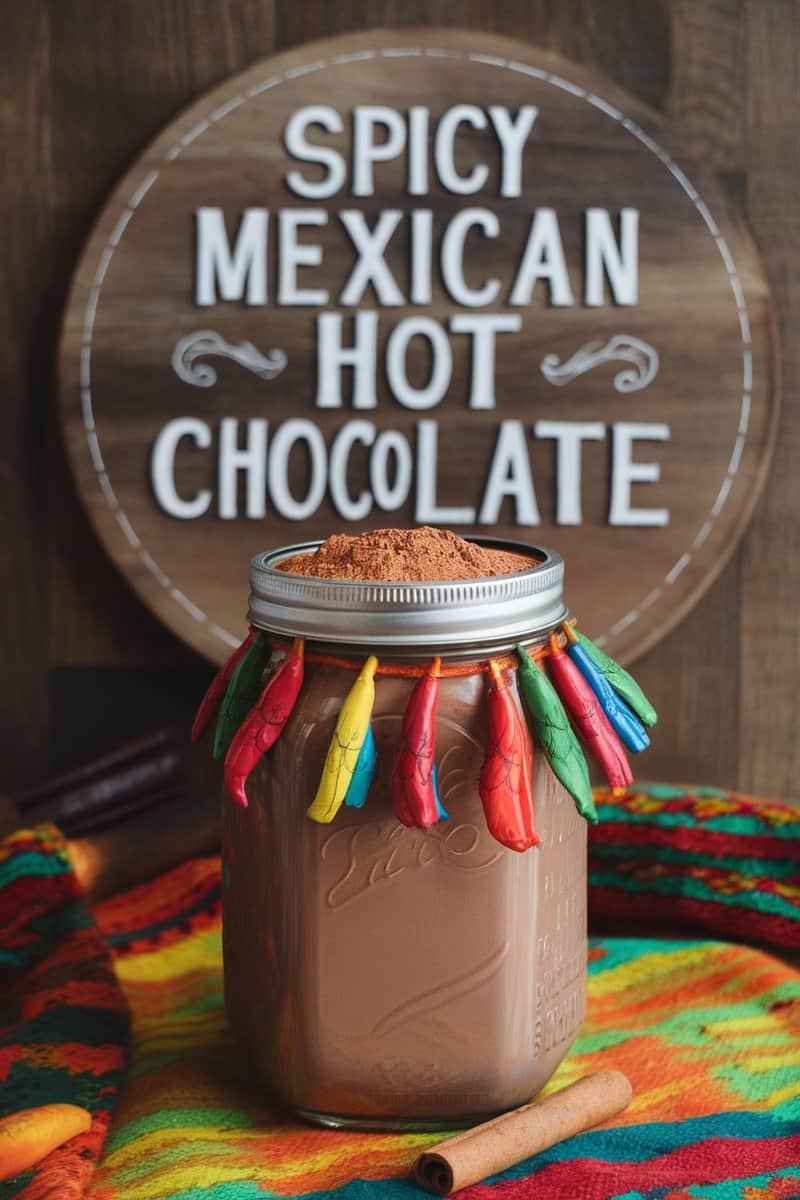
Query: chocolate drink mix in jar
column 404, row 825
column 404, row 555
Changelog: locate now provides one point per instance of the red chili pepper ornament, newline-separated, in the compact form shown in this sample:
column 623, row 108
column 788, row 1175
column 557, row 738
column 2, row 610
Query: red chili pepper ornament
column 264, row 723
column 506, row 787
column 587, row 713
column 211, row 701
column 415, row 794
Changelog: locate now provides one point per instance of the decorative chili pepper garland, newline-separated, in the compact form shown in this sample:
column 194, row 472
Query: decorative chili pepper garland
column 348, row 738
column 555, row 735
column 264, row 723
column 243, row 691
column 363, row 775
column 415, row 791
column 506, row 788
column 622, row 683
column 590, row 720
column 623, row 721
column 209, row 705
column 581, row 687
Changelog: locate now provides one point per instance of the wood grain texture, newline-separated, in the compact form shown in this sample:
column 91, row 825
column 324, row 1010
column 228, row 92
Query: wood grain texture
column 132, row 299
column 770, row 614
column 87, row 84
column 26, row 325
column 119, row 72
column 708, row 88
column 694, row 673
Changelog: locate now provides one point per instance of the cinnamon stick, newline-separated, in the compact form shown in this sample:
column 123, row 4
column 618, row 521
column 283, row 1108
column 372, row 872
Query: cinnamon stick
column 131, row 813
column 92, row 795
column 501, row 1143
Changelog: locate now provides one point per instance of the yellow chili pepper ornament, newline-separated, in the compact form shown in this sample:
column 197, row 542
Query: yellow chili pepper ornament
column 348, row 738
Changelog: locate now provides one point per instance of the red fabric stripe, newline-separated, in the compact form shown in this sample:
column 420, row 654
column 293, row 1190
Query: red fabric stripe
column 639, row 909
column 27, row 898
column 716, row 1160
column 40, row 891
column 693, row 839
column 167, row 898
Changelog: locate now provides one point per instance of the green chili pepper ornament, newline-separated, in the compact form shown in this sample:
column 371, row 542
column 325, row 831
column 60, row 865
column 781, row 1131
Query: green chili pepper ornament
column 242, row 693
column 623, row 683
column 215, row 693
column 555, row 734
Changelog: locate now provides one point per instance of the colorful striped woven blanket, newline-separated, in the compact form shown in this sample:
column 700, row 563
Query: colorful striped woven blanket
column 708, row 1031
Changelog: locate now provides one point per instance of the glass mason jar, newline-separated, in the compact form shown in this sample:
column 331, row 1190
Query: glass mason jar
column 390, row 977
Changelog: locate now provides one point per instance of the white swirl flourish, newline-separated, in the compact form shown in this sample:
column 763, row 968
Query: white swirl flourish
column 621, row 348
column 205, row 343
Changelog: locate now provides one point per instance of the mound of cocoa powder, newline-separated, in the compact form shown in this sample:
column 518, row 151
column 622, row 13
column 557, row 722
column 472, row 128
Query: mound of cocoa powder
column 400, row 555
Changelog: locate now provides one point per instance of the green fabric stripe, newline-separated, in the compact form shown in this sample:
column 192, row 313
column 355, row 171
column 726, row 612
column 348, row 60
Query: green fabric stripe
column 86, row 1024
column 180, row 1154
column 177, row 1118
column 740, row 823
column 34, row 864
column 683, row 885
column 620, row 950
column 756, row 1085
column 760, row 868
column 688, row 1027
column 59, row 1085
column 669, row 791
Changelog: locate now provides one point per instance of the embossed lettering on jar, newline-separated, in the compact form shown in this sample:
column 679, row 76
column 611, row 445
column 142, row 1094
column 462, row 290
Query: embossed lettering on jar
column 386, row 975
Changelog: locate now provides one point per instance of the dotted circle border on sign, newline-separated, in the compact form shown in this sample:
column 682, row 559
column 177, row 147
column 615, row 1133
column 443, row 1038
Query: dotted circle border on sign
column 218, row 114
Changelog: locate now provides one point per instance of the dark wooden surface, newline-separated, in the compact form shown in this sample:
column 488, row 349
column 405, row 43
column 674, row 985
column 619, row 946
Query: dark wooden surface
column 85, row 85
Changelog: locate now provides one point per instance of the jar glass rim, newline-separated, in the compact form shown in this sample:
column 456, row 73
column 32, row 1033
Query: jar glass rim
column 493, row 611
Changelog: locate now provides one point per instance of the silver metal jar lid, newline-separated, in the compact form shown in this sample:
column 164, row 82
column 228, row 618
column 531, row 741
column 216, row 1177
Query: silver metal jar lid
column 451, row 616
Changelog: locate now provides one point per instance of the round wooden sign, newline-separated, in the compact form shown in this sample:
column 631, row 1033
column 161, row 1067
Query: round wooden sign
column 420, row 277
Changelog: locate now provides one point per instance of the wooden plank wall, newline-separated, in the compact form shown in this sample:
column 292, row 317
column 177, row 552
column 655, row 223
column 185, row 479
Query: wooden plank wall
column 86, row 83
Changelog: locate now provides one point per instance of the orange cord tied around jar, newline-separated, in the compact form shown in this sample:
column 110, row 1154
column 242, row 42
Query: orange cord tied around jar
column 402, row 670
column 567, row 682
